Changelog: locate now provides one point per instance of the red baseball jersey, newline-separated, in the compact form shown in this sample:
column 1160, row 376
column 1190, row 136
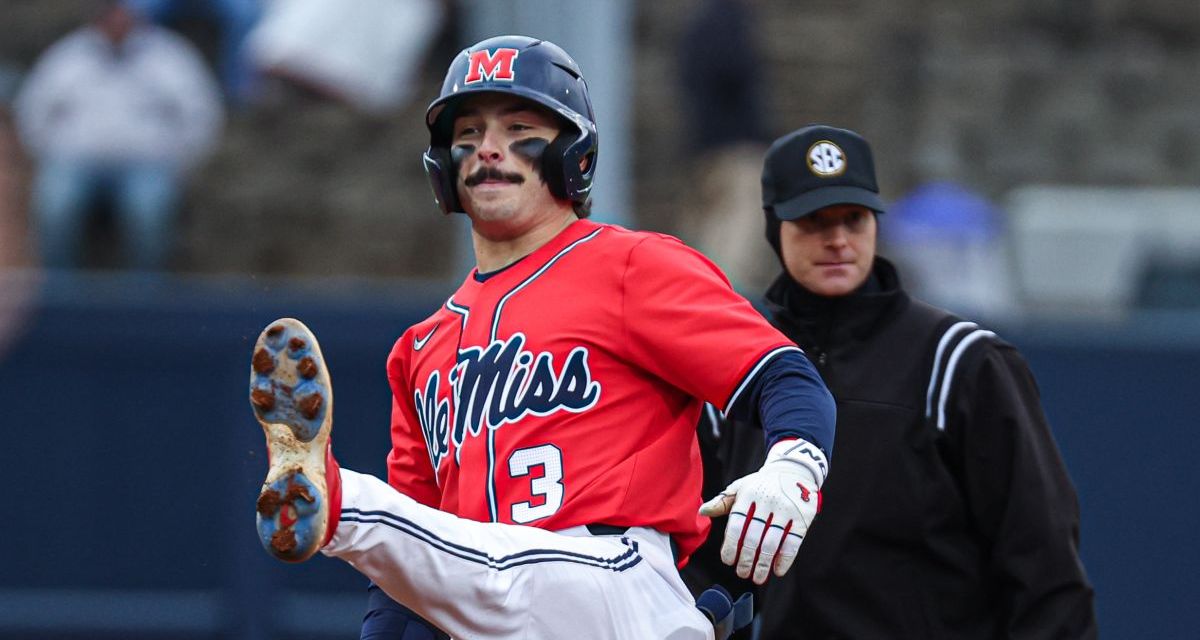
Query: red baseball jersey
column 565, row 389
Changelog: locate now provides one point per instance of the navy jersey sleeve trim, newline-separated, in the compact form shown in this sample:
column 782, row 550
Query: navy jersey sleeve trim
column 788, row 399
column 748, row 383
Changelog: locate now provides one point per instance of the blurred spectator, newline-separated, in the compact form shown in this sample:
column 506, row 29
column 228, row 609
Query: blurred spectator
column 14, row 234
column 366, row 53
column 17, row 283
column 720, row 70
column 117, row 111
column 234, row 20
column 952, row 242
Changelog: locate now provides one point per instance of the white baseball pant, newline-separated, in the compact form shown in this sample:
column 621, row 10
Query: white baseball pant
column 501, row 581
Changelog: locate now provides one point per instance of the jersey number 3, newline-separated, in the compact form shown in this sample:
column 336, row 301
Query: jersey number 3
column 546, row 489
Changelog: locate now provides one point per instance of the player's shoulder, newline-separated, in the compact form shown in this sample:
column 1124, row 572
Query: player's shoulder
column 647, row 246
column 616, row 235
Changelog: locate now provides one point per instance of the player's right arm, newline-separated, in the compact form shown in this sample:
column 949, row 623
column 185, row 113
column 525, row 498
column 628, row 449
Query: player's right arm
column 687, row 325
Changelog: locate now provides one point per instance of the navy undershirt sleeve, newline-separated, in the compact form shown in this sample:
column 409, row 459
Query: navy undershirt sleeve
column 387, row 619
column 788, row 399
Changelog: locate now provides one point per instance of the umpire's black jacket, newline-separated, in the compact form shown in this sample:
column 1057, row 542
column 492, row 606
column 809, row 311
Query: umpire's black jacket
column 948, row 512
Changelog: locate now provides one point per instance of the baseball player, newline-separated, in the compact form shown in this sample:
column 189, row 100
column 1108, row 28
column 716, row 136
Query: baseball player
column 544, row 477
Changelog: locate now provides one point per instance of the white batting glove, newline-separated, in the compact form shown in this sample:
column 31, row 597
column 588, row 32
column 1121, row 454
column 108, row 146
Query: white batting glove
column 771, row 509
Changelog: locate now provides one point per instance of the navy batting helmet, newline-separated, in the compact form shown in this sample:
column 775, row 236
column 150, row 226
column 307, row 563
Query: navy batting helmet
column 533, row 69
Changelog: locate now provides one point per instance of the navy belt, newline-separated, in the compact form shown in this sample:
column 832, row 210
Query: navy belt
column 606, row 530
column 613, row 530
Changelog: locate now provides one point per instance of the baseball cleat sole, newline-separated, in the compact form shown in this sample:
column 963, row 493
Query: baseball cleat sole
column 292, row 398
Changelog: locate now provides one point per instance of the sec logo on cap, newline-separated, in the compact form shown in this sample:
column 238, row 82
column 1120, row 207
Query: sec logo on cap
column 826, row 159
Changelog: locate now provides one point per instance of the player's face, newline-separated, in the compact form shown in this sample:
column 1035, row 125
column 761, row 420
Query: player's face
column 830, row 252
column 498, row 142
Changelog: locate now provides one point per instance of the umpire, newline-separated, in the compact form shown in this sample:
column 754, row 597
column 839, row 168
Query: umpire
column 948, row 512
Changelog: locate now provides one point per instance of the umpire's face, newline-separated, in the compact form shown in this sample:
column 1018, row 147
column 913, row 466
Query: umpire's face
column 830, row 252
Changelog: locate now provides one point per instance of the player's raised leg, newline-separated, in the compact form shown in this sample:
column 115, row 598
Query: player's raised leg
column 292, row 397
column 472, row 579
column 507, row 582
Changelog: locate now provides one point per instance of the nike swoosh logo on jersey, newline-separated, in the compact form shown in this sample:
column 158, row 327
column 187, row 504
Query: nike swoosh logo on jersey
column 419, row 343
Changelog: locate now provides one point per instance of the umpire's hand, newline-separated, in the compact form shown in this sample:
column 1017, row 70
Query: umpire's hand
column 771, row 509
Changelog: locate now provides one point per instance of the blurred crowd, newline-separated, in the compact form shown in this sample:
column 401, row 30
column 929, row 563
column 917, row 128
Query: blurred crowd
column 105, row 132
column 101, row 135
column 117, row 112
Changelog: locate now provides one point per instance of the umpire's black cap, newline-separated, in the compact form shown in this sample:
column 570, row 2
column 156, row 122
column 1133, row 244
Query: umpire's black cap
column 816, row 167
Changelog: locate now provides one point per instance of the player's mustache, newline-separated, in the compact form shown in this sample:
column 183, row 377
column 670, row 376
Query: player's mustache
column 492, row 173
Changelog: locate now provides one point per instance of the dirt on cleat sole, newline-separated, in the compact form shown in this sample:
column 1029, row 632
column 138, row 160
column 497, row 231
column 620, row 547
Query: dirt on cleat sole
column 292, row 398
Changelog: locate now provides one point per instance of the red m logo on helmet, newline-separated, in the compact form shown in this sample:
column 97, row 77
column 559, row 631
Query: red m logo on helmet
column 491, row 65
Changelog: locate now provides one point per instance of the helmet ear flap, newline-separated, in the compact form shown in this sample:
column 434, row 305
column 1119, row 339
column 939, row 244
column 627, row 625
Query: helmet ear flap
column 554, row 170
column 440, row 169
column 561, row 165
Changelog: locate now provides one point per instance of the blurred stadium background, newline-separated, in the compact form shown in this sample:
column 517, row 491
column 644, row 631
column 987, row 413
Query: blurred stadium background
column 1042, row 159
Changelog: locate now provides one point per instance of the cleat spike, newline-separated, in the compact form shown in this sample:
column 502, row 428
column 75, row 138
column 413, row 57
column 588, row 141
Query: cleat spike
column 310, row 406
column 284, row 541
column 268, row 503
column 262, row 400
column 263, row 363
column 307, row 368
